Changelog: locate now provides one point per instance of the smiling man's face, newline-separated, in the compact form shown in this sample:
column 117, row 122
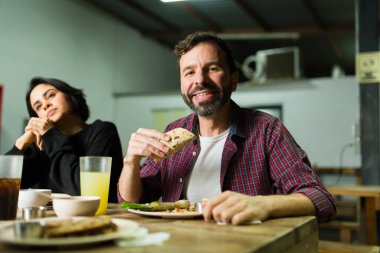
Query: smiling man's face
column 206, row 82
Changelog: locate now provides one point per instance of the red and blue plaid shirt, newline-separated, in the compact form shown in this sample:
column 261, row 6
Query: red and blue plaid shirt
column 260, row 157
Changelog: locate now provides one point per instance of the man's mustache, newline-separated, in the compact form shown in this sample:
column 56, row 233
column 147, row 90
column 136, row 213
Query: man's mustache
column 211, row 88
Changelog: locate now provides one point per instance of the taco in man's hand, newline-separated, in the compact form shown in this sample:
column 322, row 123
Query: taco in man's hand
column 180, row 138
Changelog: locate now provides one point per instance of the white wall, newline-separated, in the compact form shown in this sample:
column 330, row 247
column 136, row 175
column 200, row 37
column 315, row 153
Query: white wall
column 318, row 112
column 77, row 42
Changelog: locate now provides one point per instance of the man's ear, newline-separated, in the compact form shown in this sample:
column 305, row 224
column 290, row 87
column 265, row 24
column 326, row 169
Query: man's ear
column 234, row 80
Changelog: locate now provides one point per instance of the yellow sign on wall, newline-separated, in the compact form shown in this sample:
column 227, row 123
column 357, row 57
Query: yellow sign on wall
column 162, row 117
column 368, row 67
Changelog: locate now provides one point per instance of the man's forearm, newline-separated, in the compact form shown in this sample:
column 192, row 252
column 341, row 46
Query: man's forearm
column 130, row 187
column 289, row 205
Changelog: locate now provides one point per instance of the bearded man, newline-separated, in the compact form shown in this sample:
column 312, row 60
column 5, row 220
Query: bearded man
column 244, row 161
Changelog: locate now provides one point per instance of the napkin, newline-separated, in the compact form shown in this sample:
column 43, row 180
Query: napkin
column 142, row 237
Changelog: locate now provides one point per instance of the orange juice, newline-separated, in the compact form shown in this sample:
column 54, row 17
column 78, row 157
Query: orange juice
column 96, row 184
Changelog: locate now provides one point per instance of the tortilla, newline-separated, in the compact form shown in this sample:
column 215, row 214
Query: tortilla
column 85, row 226
column 180, row 138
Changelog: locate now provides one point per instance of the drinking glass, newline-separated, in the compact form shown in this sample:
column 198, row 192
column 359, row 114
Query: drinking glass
column 10, row 178
column 95, row 172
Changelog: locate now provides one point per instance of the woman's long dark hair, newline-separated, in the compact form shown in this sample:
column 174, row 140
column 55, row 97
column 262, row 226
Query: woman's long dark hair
column 76, row 96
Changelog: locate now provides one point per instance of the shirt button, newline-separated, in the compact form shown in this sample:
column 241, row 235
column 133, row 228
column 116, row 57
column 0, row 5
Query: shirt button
column 194, row 153
column 180, row 180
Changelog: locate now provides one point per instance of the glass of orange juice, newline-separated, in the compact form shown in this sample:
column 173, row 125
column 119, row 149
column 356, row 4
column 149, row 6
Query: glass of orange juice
column 95, row 172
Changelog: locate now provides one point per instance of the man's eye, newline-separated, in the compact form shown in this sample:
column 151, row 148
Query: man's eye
column 37, row 107
column 51, row 95
column 188, row 73
column 213, row 68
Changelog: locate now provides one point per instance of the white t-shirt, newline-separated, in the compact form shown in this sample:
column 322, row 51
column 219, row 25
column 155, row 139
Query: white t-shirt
column 204, row 181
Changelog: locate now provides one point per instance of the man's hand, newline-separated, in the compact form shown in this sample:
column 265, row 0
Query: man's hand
column 143, row 143
column 236, row 208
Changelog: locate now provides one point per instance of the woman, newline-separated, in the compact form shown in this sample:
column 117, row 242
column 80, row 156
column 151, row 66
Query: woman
column 57, row 135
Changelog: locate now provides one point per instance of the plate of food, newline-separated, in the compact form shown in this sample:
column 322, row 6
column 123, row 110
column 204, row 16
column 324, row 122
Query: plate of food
column 67, row 232
column 173, row 214
column 181, row 209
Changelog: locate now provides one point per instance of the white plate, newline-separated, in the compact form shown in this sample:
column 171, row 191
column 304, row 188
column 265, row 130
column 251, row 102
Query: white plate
column 127, row 229
column 167, row 214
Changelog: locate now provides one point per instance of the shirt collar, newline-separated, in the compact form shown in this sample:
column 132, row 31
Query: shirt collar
column 237, row 127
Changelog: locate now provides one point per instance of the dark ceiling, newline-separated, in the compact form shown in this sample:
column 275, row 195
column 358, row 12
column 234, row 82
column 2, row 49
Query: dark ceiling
column 323, row 30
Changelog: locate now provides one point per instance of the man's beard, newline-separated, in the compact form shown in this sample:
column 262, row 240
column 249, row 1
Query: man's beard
column 209, row 108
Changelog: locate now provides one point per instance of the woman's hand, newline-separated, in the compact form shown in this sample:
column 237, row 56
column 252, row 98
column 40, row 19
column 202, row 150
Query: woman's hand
column 143, row 143
column 25, row 140
column 37, row 125
column 33, row 131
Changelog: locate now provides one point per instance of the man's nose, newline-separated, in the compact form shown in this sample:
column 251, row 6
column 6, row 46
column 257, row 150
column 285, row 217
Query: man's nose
column 200, row 77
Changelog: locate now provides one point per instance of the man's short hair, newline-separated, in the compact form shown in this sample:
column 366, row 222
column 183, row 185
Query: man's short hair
column 194, row 39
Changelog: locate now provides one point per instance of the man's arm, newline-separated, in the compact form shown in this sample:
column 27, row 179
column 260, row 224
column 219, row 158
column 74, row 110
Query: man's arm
column 130, row 183
column 292, row 173
column 237, row 208
column 143, row 143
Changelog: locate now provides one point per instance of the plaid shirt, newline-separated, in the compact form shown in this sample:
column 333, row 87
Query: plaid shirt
column 260, row 157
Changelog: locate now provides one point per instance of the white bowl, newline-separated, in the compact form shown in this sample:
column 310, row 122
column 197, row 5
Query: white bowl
column 33, row 197
column 60, row 195
column 76, row 206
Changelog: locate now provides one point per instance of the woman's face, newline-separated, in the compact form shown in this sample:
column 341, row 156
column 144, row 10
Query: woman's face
column 49, row 103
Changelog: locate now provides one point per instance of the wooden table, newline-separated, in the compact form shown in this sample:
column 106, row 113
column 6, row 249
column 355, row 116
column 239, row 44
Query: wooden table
column 295, row 234
column 371, row 198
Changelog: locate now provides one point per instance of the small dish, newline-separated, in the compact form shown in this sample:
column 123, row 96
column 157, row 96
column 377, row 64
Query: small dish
column 30, row 213
column 33, row 197
column 76, row 206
